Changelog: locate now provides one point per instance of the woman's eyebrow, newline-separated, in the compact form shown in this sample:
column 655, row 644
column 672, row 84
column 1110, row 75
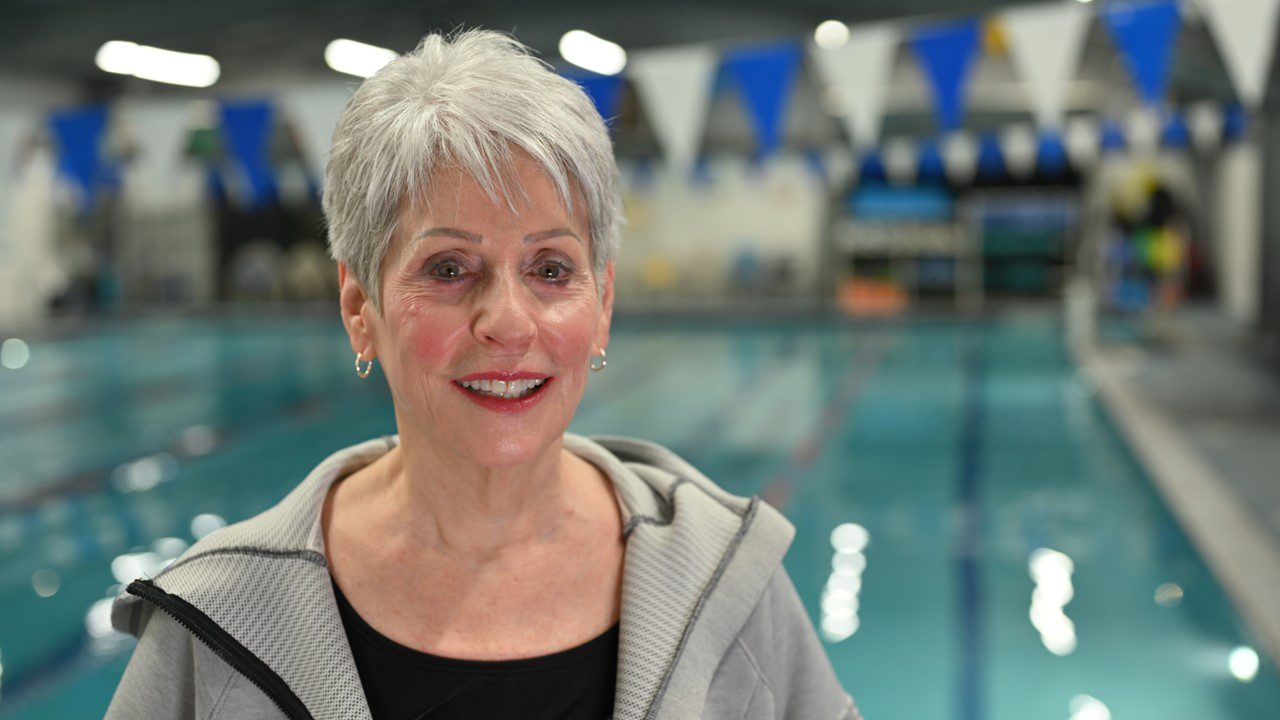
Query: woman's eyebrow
column 548, row 234
column 474, row 238
column 449, row 232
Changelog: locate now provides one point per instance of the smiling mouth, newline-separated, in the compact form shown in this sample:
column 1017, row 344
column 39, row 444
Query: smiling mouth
column 504, row 390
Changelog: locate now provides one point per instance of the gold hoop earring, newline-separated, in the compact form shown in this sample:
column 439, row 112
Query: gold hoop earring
column 603, row 362
column 368, row 368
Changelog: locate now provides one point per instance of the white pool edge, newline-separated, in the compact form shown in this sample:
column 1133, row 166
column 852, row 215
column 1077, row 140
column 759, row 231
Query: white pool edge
column 1238, row 550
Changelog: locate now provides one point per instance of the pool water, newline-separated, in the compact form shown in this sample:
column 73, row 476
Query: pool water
column 950, row 462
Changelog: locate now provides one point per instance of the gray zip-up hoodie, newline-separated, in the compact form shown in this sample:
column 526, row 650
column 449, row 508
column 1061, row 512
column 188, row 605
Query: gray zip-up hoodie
column 711, row 624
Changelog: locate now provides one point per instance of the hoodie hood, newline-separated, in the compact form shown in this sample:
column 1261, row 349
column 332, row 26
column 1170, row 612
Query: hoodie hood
column 697, row 561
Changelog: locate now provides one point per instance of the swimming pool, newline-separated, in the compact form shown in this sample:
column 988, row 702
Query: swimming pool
column 950, row 462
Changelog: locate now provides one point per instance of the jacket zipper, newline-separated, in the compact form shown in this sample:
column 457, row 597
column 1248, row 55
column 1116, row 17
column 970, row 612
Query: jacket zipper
column 240, row 658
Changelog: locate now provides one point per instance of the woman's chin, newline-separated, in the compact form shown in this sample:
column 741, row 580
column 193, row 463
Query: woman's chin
column 502, row 452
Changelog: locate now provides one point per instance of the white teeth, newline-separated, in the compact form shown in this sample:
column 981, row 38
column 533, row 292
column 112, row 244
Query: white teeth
column 503, row 389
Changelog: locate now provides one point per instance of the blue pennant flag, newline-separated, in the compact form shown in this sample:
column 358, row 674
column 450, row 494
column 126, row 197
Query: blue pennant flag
column 930, row 170
column 990, row 158
column 1145, row 32
column 764, row 75
column 1235, row 123
column 78, row 135
column 1051, row 155
column 1175, row 134
column 604, row 90
column 947, row 51
column 1112, row 137
column 871, row 168
column 246, row 127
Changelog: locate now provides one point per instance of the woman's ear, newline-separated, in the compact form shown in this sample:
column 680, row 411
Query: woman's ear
column 606, row 309
column 355, row 308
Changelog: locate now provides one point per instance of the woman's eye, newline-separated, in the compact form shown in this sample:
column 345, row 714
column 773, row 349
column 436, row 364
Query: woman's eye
column 553, row 271
column 446, row 270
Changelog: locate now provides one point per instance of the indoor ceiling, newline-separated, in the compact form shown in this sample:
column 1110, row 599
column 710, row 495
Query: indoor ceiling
column 58, row 38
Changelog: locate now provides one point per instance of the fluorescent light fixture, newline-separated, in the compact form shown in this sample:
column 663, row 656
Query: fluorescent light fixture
column 831, row 34
column 152, row 63
column 592, row 53
column 356, row 58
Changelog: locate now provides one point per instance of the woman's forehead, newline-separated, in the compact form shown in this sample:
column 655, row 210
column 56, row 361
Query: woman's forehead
column 514, row 201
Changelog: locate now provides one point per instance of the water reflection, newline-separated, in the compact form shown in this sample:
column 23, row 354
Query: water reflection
column 840, row 596
column 1243, row 664
column 1051, row 571
column 1087, row 707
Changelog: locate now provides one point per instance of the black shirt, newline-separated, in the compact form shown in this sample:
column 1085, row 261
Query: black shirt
column 401, row 683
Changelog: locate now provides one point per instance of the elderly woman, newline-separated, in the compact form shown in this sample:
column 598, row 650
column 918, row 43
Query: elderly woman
column 483, row 562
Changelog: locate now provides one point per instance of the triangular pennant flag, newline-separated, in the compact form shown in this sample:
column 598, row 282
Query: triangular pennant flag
column 1143, row 129
column 1175, row 134
column 860, row 69
column 1082, row 140
column 764, row 75
column 675, row 93
column 1235, row 123
column 1145, row 33
column 1045, row 44
column 313, row 110
column 1112, row 137
column 900, row 160
column 990, row 158
column 1051, row 155
column 930, row 170
column 946, row 51
column 161, row 130
column 605, row 91
column 246, row 127
column 871, row 168
column 1204, row 119
column 79, row 134
column 1245, row 31
column 1018, row 144
column 960, row 155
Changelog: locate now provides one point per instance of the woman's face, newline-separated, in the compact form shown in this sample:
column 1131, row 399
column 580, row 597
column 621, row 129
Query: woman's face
column 476, row 293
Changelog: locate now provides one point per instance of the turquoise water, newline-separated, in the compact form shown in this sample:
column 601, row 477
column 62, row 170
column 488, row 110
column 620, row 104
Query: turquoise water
column 960, row 448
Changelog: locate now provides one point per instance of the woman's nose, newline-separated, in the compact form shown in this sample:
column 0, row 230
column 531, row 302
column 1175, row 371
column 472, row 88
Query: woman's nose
column 506, row 315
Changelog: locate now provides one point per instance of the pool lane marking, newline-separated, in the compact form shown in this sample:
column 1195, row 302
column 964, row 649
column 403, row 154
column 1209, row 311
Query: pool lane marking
column 969, row 599
column 868, row 354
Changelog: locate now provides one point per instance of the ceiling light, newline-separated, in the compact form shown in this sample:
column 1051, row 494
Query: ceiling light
column 152, row 63
column 831, row 35
column 356, row 58
column 592, row 53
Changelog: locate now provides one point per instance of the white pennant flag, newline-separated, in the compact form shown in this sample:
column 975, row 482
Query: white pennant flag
column 1245, row 31
column 1082, row 139
column 1018, row 143
column 675, row 90
column 1045, row 43
column 857, row 73
column 313, row 110
column 160, row 131
column 901, row 157
column 1204, row 120
column 960, row 156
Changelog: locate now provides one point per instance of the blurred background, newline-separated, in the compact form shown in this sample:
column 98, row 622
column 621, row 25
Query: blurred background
column 984, row 297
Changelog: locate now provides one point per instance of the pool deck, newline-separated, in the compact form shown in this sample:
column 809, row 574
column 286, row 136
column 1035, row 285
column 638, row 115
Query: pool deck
column 1202, row 412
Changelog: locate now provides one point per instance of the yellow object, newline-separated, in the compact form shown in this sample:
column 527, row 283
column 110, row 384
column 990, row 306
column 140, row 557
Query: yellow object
column 993, row 37
column 658, row 273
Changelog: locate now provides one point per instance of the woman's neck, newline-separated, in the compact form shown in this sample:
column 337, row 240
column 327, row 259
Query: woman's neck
column 431, row 500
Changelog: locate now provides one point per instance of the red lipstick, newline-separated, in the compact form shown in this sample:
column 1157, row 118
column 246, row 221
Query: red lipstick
column 501, row 404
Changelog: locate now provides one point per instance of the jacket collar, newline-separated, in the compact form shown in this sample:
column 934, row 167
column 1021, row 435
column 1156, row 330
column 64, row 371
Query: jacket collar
column 697, row 560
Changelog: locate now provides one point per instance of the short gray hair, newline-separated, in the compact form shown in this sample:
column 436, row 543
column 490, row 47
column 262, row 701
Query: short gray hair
column 469, row 101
